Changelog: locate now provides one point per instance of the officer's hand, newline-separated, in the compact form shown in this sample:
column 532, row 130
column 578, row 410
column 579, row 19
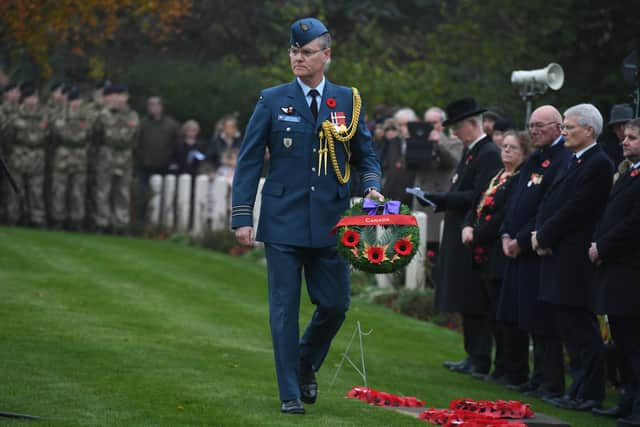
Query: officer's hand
column 593, row 253
column 244, row 236
column 534, row 240
column 375, row 195
column 514, row 248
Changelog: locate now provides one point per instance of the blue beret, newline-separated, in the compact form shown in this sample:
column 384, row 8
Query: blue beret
column 114, row 88
column 305, row 30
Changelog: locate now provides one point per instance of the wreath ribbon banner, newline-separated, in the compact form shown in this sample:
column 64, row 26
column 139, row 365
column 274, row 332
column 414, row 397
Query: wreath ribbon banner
column 373, row 220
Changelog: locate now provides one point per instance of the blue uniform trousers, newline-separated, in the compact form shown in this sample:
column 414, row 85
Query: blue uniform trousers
column 327, row 278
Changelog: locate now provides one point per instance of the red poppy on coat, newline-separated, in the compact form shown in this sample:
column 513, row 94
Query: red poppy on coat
column 468, row 159
column 478, row 250
column 350, row 238
column 634, row 172
column 82, row 125
column 331, row 102
column 375, row 254
column 546, row 163
column 403, row 247
column 488, row 201
column 487, row 218
column 431, row 253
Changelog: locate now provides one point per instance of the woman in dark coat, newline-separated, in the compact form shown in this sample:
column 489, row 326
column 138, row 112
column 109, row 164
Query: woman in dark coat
column 481, row 232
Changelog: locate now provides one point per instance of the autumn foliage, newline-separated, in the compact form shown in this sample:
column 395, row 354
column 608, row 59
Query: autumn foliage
column 38, row 26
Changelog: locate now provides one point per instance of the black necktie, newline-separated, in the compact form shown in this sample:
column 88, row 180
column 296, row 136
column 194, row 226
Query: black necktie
column 314, row 104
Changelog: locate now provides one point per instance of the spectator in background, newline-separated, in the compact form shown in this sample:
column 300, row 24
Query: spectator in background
column 489, row 119
column 481, row 231
column 404, row 116
column 500, row 127
column 436, row 177
column 157, row 136
column 396, row 175
column 620, row 115
column 188, row 152
column 226, row 137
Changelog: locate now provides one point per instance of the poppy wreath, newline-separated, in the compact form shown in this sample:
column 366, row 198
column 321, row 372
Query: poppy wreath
column 373, row 251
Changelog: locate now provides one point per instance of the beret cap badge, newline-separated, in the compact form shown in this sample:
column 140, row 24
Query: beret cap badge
column 304, row 27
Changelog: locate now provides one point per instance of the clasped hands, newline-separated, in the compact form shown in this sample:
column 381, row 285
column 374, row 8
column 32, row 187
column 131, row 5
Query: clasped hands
column 536, row 247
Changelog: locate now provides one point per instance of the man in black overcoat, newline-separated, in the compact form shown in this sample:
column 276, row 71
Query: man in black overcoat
column 616, row 252
column 455, row 289
column 518, row 307
column 564, row 226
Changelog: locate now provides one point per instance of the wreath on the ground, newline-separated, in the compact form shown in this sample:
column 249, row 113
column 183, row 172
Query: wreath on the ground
column 378, row 237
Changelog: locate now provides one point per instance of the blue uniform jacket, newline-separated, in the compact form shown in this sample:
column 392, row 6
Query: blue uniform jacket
column 299, row 207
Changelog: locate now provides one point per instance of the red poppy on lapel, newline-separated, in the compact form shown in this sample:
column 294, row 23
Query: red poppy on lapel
column 331, row 102
column 468, row 159
column 635, row 172
column 546, row 163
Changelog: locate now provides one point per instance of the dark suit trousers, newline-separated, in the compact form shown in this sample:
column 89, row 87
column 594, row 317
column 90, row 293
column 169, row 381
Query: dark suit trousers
column 478, row 340
column 581, row 336
column 327, row 278
column 624, row 331
column 548, row 363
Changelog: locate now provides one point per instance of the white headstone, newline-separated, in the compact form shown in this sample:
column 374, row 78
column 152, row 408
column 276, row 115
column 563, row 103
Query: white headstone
column 200, row 205
column 415, row 277
column 155, row 184
column 168, row 201
column 183, row 202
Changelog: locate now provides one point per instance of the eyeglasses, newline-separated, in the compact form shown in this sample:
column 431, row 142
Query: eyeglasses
column 539, row 125
column 306, row 53
column 510, row 148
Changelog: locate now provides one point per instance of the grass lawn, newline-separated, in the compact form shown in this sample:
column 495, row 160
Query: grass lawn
column 108, row 331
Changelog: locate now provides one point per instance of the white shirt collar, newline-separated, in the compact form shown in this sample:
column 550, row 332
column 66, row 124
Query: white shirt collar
column 584, row 150
column 636, row 165
column 306, row 89
column 473, row 144
column 557, row 141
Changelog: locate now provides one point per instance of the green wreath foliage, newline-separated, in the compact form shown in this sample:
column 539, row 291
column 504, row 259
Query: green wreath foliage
column 385, row 252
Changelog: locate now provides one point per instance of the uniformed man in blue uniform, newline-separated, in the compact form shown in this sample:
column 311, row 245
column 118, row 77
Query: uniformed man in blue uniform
column 312, row 129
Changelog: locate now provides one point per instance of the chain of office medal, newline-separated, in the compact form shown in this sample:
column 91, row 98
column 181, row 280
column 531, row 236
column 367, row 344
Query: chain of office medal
column 329, row 133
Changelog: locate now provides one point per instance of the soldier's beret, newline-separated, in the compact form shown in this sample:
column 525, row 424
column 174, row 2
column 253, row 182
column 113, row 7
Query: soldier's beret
column 305, row 30
column 58, row 85
column 73, row 93
column 27, row 89
column 115, row 88
column 9, row 86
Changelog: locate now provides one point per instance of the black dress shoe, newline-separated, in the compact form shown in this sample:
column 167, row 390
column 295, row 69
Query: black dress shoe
column 523, row 387
column 619, row 411
column 308, row 383
column 543, row 392
column 450, row 364
column 630, row 421
column 292, row 407
column 462, row 368
column 574, row 404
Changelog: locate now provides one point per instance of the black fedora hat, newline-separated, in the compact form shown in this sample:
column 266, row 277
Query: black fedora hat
column 620, row 113
column 461, row 109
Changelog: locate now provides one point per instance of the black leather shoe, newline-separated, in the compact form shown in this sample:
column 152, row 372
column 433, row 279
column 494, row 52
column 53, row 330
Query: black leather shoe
column 308, row 383
column 574, row 404
column 618, row 411
column 462, row 368
column 587, row 405
column 449, row 364
column 630, row 421
column 543, row 392
column 292, row 407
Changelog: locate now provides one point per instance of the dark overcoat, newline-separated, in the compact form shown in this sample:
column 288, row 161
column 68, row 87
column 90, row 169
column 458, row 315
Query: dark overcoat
column 615, row 287
column 518, row 302
column 455, row 291
column 565, row 224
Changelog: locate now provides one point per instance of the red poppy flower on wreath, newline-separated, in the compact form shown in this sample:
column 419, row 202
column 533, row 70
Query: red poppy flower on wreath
column 403, row 247
column 350, row 238
column 331, row 102
column 546, row 163
column 375, row 254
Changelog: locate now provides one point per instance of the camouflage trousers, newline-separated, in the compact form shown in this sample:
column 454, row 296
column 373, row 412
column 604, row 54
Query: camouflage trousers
column 27, row 165
column 69, row 184
column 114, row 170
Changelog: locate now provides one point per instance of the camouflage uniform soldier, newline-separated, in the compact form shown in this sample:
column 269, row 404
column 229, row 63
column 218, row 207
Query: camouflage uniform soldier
column 117, row 127
column 28, row 134
column 72, row 134
column 8, row 109
column 94, row 107
column 56, row 109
